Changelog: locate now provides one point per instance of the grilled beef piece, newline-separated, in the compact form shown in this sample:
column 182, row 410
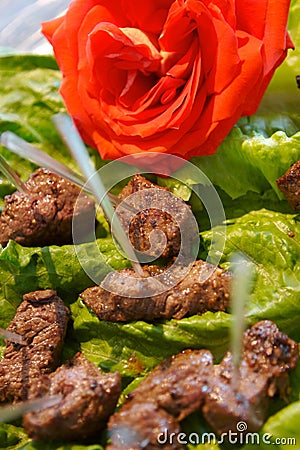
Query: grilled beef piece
column 154, row 218
column 289, row 184
column 267, row 357
column 168, row 394
column 44, row 216
column 143, row 426
column 89, row 397
column 179, row 384
column 189, row 297
column 41, row 319
column 186, row 382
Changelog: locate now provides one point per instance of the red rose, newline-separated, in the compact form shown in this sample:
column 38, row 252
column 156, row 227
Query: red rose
column 165, row 76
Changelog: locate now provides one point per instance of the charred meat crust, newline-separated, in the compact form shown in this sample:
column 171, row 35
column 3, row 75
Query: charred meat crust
column 268, row 355
column 189, row 297
column 189, row 381
column 43, row 217
column 169, row 393
column 41, row 319
column 179, row 384
column 89, row 398
column 152, row 219
column 289, row 184
column 139, row 427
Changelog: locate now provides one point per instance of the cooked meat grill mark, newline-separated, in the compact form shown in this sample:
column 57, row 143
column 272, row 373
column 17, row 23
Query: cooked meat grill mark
column 267, row 357
column 168, row 394
column 189, row 380
column 139, row 426
column 151, row 219
column 45, row 216
column 41, row 319
column 89, row 397
column 189, row 297
column 289, row 184
column 174, row 382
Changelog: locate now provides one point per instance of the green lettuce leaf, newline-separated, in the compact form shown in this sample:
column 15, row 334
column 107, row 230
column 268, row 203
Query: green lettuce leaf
column 257, row 151
column 281, row 431
column 29, row 97
column 271, row 241
column 13, row 437
column 27, row 269
column 248, row 160
column 281, row 95
column 244, row 170
column 284, row 425
column 135, row 348
column 244, row 163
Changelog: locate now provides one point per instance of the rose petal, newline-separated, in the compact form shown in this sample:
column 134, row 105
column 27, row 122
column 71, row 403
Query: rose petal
column 163, row 75
column 147, row 15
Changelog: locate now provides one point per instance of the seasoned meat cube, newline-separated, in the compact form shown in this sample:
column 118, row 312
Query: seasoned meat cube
column 137, row 183
column 143, row 426
column 267, row 357
column 41, row 319
column 44, row 216
column 88, row 398
column 179, row 384
column 151, row 218
column 267, row 349
column 189, row 381
column 227, row 404
column 189, row 297
column 167, row 395
column 289, row 184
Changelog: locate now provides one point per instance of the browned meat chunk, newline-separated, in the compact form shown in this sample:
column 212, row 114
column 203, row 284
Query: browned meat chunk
column 41, row 319
column 150, row 218
column 289, row 184
column 43, row 217
column 179, row 384
column 267, row 357
column 227, row 404
column 88, row 398
column 141, row 426
column 171, row 392
column 189, row 297
column 151, row 413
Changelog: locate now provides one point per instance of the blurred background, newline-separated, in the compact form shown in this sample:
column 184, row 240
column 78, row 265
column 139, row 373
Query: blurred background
column 20, row 24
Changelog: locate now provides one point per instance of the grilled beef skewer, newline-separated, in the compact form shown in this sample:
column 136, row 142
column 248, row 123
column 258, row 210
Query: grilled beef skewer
column 150, row 218
column 43, row 214
column 189, row 381
column 189, row 297
column 41, row 320
column 267, row 358
column 89, row 397
column 166, row 396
